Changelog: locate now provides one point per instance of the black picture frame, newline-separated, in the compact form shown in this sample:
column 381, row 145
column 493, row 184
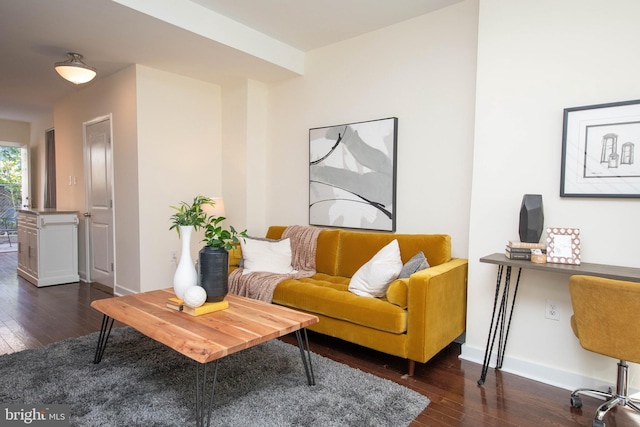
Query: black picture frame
column 598, row 151
column 352, row 175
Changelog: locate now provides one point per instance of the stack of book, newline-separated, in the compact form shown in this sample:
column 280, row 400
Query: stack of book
column 522, row 250
column 208, row 307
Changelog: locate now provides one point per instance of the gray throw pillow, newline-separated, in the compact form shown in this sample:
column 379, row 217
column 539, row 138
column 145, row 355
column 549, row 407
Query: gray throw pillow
column 417, row 263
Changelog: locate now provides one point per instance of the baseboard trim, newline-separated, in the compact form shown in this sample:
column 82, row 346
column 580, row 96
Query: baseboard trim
column 103, row 288
column 537, row 372
column 120, row 291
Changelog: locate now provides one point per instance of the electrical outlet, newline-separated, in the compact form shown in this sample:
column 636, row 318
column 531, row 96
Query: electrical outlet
column 173, row 257
column 552, row 310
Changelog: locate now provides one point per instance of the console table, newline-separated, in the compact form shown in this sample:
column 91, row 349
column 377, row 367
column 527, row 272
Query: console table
column 500, row 323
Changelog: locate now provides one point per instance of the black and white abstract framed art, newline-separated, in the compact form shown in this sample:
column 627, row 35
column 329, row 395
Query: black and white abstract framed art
column 352, row 175
column 598, row 151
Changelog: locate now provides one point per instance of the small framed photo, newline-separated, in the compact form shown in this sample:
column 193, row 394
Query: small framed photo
column 563, row 245
column 598, row 151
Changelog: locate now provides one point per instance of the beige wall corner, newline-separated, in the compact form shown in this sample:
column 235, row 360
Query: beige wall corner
column 179, row 157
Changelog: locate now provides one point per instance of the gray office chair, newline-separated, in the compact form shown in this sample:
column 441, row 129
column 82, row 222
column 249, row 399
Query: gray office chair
column 606, row 320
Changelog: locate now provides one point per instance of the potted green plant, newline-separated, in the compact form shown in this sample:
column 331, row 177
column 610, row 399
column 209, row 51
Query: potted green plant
column 213, row 258
column 217, row 237
column 186, row 219
column 190, row 214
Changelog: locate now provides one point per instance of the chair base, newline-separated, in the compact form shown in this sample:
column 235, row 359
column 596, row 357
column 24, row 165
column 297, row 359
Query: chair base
column 619, row 398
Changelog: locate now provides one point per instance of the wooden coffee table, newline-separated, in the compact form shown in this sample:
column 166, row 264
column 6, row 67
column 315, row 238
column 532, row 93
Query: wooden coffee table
column 205, row 338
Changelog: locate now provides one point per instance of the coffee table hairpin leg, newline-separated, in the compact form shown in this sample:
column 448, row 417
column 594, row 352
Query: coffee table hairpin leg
column 204, row 409
column 306, row 361
column 105, row 331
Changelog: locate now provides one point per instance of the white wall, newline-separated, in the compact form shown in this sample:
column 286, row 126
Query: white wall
column 14, row 131
column 245, row 118
column 114, row 95
column 179, row 157
column 421, row 71
column 37, row 157
column 166, row 149
column 234, row 151
column 536, row 58
column 257, row 155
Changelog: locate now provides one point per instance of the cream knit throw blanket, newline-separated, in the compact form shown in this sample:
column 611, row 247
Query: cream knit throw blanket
column 260, row 285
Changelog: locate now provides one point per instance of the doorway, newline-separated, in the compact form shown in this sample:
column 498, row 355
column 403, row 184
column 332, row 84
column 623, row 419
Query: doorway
column 99, row 211
column 13, row 192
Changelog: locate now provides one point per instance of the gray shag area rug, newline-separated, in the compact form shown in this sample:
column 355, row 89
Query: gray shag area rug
column 140, row 382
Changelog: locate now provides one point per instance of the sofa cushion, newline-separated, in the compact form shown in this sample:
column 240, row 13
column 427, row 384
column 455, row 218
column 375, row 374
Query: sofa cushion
column 342, row 253
column 356, row 248
column 373, row 278
column 273, row 256
column 329, row 296
column 327, row 252
column 416, row 263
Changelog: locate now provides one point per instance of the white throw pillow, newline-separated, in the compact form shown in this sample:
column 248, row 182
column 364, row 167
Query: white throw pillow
column 373, row 278
column 272, row 256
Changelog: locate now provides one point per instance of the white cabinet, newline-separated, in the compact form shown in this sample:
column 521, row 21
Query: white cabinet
column 27, row 245
column 48, row 246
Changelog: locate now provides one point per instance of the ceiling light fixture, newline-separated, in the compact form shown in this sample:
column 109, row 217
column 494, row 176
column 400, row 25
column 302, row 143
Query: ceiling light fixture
column 74, row 70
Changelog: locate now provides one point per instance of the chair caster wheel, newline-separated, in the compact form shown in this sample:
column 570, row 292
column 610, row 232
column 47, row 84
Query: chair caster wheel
column 576, row 402
column 598, row 423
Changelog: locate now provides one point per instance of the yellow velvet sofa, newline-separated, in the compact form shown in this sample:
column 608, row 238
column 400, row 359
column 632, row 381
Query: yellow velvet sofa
column 419, row 316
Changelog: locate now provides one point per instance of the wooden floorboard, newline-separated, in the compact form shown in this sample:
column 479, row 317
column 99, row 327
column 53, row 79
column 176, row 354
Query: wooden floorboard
column 31, row 317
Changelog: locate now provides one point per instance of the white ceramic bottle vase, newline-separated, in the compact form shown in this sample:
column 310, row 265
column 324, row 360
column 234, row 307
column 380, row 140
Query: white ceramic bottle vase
column 186, row 275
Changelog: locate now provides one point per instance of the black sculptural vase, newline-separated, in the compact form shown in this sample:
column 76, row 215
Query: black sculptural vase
column 213, row 271
column 531, row 218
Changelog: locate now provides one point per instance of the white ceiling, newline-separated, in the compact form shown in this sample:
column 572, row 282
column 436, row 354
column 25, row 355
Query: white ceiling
column 37, row 33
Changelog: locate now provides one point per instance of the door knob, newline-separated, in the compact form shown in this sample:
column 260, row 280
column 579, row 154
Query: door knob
column 87, row 214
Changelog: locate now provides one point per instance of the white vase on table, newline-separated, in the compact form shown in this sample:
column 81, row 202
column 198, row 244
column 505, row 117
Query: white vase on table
column 186, row 275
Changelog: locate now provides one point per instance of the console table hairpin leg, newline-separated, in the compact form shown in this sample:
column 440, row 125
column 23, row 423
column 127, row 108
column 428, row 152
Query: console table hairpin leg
column 499, row 319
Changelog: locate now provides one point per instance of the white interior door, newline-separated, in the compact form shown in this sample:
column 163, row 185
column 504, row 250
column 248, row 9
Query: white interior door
column 99, row 213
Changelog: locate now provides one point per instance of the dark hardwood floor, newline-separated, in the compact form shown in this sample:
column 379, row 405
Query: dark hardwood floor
column 31, row 317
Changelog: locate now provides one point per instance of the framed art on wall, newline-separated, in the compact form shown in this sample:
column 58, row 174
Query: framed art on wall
column 598, row 151
column 352, row 175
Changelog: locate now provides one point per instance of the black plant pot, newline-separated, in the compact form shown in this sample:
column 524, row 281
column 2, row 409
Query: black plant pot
column 213, row 271
column 531, row 218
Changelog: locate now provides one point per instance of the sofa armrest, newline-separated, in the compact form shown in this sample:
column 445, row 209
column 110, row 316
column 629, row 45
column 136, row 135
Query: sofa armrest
column 437, row 308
